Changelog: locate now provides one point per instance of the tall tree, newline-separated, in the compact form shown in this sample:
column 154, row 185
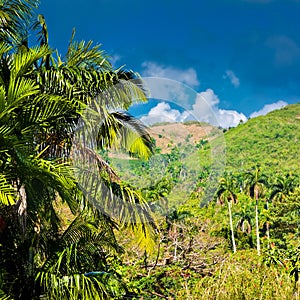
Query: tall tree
column 32, row 181
column 256, row 181
column 227, row 192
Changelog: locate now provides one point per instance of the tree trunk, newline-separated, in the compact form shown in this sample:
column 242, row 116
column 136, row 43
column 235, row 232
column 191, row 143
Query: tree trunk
column 175, row 244
column 268, row 226
column 257, row 228
column 231, row 227
column 22, row 209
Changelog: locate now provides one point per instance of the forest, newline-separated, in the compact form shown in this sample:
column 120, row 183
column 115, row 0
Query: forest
column 95, row 205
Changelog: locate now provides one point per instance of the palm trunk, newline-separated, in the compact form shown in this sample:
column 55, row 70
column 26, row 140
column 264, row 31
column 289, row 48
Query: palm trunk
column 268, row 233
column 268, row 226
column 175, row 244
column 22, row 209
column 257, row 228
column 231, row 227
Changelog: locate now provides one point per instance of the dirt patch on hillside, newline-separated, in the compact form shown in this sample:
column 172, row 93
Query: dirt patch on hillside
column 170, row 135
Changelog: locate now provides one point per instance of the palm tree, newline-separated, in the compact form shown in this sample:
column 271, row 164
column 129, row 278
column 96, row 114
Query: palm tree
column 156, row 195
column 30, row 181
column 227, row 192
column 256, row 182
column 244, row 222
column 283, row 186
column 42, row 100
column 244, row 225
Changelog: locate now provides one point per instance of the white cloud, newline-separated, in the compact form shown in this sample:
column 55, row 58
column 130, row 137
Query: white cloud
column 268, row 108
column 163, row 112
column 187, row 76
column 235, row 81
column 205, row 109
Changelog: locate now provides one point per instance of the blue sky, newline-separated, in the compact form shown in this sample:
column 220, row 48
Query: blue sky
column 240, row 54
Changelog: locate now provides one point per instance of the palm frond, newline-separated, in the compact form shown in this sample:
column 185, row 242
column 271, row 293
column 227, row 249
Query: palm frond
column 23, row 62
column 7, row 191
column 4, row 47
column 60, row 278
column 42, row 34
column 57, row 175
column 86, row 56
column 112, row 198
column 121, row 130
column 4, row 296
column 93, row 231
column 19, row 90
column 15, row 16
column 47, row 111
column 73, row 286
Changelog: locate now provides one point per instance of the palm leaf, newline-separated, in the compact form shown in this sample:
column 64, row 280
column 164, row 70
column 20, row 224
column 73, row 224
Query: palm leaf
column 120, row 130
column 23, row 62
column 57, row 175
column 15, row 16
column 73, row 286
column 7, row 191
column 4, row 296
column 4, row 47
column 60, row 278
column 84, row 55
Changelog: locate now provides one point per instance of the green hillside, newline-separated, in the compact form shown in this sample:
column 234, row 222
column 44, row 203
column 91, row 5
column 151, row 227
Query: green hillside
column 271, row 142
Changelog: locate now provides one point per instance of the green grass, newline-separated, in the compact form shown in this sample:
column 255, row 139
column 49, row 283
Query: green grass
column 271, row 142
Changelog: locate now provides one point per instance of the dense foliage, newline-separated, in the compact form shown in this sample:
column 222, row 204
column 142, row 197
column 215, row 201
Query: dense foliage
column 177, row 224
column 55, row 241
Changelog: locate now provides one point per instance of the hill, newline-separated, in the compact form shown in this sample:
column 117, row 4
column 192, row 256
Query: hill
column 190, row 152
column 271, row 142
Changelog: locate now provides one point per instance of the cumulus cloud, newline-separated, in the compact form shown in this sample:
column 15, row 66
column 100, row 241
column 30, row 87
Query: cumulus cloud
column 163, row 112
column 268, row 108
column 235, row 81
column 187, row 76
column 166, row 89
column 203, row 106
column 205, row 109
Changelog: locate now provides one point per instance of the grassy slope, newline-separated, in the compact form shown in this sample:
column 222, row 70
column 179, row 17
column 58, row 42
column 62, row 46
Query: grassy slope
column 271, row 142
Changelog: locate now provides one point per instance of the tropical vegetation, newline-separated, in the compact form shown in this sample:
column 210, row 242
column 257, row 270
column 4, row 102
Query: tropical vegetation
column 92, row 208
